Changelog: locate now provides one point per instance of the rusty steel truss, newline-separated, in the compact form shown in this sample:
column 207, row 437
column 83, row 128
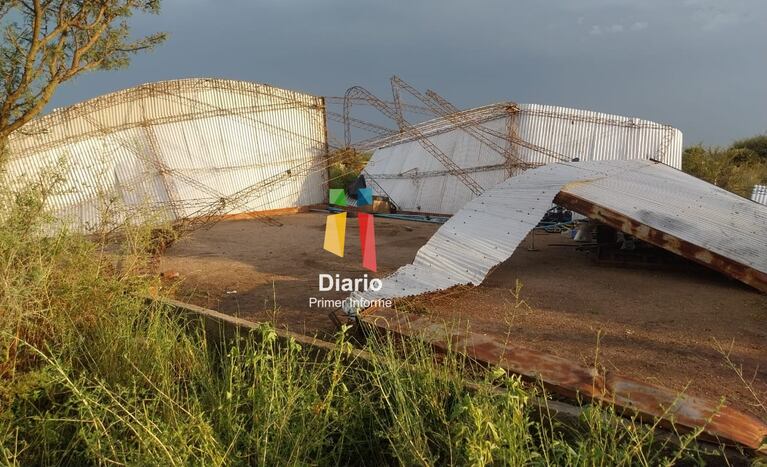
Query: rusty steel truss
column 190, row 94
column 447, row 117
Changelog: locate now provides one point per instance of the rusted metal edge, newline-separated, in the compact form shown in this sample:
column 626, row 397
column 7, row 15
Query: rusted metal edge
column 708, row 258
column 223, row 325
column 265, row 213
column 721, row 424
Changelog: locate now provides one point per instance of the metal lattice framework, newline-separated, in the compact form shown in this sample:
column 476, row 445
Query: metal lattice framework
column 90, row 120
column 164, row 90
column 533, row 136
column 131, row 132
column 408, row 129
column 449, row 112
column 448, row 117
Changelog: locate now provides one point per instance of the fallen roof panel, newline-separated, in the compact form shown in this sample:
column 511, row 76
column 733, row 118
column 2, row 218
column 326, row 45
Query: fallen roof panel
column 649, row 200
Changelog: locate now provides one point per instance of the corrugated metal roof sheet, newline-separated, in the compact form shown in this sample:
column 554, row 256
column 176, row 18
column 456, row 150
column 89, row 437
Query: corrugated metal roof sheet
column 171, row 148
column 650, row 200
column 405, row 171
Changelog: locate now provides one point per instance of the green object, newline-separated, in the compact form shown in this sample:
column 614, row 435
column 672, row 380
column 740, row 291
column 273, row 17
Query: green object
column 338, row 196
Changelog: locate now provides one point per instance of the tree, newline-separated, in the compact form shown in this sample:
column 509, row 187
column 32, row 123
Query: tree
column 48, row 42
column 758, row 144
column 736, row 169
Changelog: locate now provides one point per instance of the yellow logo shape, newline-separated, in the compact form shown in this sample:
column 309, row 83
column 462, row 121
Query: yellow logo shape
column 335, row 233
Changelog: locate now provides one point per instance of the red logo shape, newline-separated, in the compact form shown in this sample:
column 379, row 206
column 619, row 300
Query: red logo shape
column 368, row 241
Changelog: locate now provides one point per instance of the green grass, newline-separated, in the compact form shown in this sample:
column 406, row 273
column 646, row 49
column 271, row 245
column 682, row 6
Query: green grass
column 92, row 374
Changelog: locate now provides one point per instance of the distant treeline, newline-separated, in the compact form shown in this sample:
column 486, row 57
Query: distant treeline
column 736, row 168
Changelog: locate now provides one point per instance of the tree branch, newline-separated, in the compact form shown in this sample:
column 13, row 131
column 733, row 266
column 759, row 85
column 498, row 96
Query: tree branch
column 62, row 39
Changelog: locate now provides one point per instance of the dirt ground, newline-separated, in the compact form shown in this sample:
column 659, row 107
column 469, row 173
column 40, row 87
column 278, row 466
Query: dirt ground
column 263, row 272
column 661, row 326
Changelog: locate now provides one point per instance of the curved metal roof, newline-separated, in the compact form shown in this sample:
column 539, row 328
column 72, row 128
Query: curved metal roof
column 175, row 147
column 156, row 103
column 534, row 134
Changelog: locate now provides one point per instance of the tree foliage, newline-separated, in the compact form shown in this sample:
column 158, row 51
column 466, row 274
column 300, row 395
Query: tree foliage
column 347, row 167
column 758, row 144
column 736, row 169
column 48, row 42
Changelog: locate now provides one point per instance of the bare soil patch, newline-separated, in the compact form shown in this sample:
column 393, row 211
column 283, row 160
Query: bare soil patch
column 264, row 272
column 660, row 326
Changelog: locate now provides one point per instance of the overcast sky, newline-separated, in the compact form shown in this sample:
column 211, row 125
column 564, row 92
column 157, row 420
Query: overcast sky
column 700, row 65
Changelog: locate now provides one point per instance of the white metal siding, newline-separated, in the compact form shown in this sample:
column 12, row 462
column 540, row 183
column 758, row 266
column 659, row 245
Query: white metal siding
column 574, row 133
column 759, row 194
column 416, row 181
column 596, row 136
column 192, row 142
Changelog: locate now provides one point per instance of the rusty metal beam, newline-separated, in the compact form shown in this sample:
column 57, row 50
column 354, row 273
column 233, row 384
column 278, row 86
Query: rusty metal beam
column 700, row 255
column 720, row 423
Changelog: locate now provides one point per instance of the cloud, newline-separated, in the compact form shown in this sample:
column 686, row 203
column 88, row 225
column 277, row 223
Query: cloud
column 712, row 16
column 468, row 52
column 713, row 19
column 617, row 28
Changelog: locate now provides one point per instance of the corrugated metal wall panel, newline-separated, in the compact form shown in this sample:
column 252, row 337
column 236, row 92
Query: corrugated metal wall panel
column 488, row 229
column 759, row 194
column 191, row 142
column 574, row 133
column 396, row 170
column 592, row 135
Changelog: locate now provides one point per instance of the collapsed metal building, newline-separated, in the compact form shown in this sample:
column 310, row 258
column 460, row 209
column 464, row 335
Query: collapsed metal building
column 654, row 202
column 202, row 148
column 529, row 134
column 175, row 150
column 192, row 150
